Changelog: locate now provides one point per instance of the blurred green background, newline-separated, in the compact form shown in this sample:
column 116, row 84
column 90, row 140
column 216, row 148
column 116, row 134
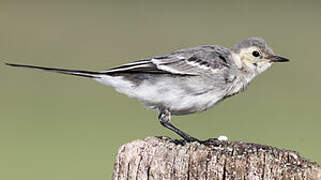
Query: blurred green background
column 61, row 127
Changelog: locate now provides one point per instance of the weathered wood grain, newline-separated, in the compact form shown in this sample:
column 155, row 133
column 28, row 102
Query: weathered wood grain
column 160, row 158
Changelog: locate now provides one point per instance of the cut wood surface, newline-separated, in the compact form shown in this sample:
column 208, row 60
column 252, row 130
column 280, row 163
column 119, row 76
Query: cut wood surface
column 161, row 158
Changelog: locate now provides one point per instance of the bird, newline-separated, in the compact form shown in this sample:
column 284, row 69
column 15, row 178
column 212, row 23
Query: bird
column 185, row 81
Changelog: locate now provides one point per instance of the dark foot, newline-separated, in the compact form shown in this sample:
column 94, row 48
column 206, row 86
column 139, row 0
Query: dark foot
column 191, row 139
column 179, row 142
column 164, row 118
column 208, row 142
column 211, row 141
column 185, row 136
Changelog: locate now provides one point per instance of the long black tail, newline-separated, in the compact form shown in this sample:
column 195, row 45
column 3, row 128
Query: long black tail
column 89, row 74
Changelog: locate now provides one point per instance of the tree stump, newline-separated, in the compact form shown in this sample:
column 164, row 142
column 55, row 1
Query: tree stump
column 161, row 158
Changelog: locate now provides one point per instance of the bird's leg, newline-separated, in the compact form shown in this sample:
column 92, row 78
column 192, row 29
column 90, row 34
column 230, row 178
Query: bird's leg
column 164, row 118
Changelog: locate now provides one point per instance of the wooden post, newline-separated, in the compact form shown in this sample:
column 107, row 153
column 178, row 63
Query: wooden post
column 160, row 158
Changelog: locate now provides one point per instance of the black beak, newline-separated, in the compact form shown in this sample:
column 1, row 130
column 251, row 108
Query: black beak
column 278, row 59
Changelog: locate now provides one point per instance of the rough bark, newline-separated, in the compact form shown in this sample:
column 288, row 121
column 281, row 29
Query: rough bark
column 157, row 158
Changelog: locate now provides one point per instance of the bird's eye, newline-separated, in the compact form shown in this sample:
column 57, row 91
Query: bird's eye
column 255, row 53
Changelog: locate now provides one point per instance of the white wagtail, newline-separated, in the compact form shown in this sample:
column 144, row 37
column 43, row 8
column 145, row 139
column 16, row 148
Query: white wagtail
column 185, row 81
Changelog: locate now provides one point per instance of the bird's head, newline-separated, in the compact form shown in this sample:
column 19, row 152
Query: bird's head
column 255, row 55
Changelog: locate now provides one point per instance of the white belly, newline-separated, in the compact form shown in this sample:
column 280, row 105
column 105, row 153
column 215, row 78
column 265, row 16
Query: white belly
column 165, row 94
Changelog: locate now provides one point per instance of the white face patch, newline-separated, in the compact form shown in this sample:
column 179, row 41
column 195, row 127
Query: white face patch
column 254, row 65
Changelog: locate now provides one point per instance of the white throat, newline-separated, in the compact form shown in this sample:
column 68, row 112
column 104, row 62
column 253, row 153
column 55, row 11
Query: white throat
column 249, row 70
